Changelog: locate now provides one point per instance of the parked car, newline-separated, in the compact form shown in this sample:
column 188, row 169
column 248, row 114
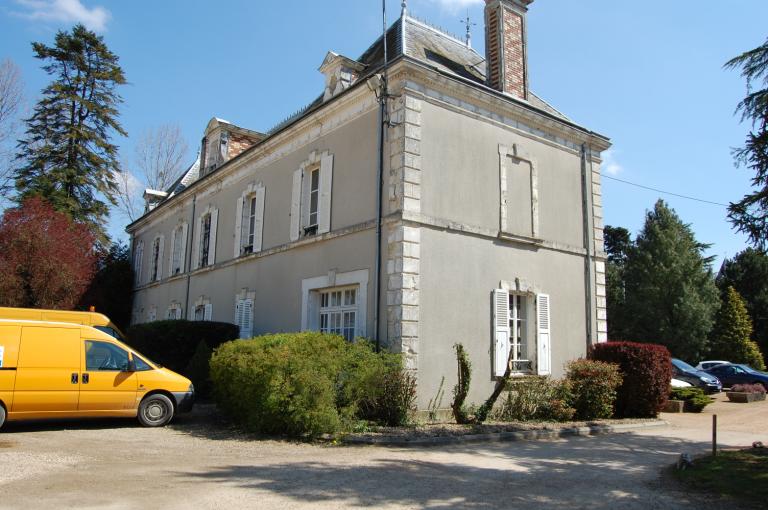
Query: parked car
column 739, row 374
column 685, row 372
column 677, row 383
column 706, row 365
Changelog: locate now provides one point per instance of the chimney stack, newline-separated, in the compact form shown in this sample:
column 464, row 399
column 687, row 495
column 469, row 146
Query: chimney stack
column 505, row 46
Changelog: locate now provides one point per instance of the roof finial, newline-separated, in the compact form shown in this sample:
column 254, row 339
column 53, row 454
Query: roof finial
column 404, row 12
column 469, row 25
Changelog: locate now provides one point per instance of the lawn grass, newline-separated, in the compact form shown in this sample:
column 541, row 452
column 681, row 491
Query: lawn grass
column 742, row 474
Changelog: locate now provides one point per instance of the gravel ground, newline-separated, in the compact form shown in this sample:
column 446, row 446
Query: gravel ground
column 201, row 463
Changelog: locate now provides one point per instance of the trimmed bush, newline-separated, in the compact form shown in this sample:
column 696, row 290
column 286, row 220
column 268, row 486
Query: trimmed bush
column 695, row 399
column 646, row 370
column 535, row 398
column 748, row 388
column 593, row 387
column 307, row 384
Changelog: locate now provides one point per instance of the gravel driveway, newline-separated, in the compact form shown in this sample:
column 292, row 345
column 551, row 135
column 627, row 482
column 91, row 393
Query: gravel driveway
column 198, row 463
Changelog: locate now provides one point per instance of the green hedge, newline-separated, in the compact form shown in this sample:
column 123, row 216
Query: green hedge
column 593, row 386
column 307, row 384
column 182, row 346
column 695, row 399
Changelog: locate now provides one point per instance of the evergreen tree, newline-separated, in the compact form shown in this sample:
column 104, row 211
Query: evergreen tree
column 618, row 244
column 731, row 334
column 66, row 155
column 747, row 272
column 750, row 214
column 671, row 296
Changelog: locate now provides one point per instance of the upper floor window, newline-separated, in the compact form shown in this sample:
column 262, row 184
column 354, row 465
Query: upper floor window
column 178, row 245
column 205, row 238
column 249, row 222
column 338, row 312
column 157, row 258
column 311, row 196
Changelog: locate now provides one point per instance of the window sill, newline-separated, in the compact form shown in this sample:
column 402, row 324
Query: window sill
column 517, row 238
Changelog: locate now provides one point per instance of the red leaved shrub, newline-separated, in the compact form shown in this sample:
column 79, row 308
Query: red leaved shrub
column 46, row 259
column 646, row 370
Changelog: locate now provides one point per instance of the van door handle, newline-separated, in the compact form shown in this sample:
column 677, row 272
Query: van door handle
column 73, row 379
column 85, row 378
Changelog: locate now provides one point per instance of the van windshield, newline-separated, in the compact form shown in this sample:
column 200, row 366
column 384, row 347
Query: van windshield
column 116, row 334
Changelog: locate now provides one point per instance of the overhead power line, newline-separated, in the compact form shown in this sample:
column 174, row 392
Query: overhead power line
column 665, row 192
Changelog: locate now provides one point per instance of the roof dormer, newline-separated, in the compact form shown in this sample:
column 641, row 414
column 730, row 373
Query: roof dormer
column 340, row 73
column 223, row 141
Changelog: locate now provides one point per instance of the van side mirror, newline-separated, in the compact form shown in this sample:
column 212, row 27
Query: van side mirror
column 131, row 366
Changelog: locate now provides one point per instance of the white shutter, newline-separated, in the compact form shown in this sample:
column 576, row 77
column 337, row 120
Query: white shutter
column 501, row 331
column 212, row 243
column 296, row 205
column 246, row 328
column 239, row 315
column 170, row 255
column 544, row 342
column 183, row 258
column 208, row 312
column 258, row 228
column 160, row 255
column 326, row 185
column 139, row 257
column 238, row 225
column 196, row 244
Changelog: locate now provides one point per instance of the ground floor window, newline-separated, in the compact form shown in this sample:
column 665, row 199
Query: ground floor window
column 203, row 312
column 518, row 327
column 338, row 312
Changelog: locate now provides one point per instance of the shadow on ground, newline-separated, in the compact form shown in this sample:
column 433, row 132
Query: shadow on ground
column 620, row 471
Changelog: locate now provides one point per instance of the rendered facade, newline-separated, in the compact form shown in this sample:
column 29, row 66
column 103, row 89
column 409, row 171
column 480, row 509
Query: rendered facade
column 491, row 218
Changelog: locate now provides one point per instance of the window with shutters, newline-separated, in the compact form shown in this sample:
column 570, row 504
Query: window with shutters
column 156, row 258
column 174, row 312
column 244, row 317
column 311, row 196
column 177, row 260
column 152, row 314
column 521, row 337
column 200, row 312
column 249, row 220
column 205, row 240
column 338, row 312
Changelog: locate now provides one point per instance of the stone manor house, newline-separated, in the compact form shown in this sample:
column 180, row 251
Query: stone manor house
column 490, row 213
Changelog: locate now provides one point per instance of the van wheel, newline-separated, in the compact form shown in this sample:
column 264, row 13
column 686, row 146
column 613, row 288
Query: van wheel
column 155, row 410
column 2, row 415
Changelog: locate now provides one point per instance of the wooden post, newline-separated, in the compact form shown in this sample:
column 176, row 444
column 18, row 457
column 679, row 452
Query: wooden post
column 714, row 435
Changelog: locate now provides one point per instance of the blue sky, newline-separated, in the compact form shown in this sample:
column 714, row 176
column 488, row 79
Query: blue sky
column 647, row 74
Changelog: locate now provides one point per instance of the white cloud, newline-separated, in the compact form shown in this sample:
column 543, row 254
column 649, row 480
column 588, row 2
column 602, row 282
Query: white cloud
column 611, row 166
column 66, row 11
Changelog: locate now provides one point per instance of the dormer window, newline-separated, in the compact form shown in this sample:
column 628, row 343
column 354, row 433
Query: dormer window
column 340, row 73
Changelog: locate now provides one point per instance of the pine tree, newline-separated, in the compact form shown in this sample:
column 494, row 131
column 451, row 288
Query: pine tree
column 747, row 272
column 671, row 296
column 67, row 156
column 618, row 243
column 731, row 334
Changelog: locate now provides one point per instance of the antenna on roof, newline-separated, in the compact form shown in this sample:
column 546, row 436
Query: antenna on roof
column 469, row 25
column 404, row 12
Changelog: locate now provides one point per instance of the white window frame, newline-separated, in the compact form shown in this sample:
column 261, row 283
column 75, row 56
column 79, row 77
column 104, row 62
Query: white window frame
column 249, row 220
column 313, row 200
column 176, row 261
column 202, row 307
column 310, row 298
column 158, row 247
column 337, row 304
column 198, row 252
column 244, row 312
column 519, row 337
column 301, row 225
column 174, row 312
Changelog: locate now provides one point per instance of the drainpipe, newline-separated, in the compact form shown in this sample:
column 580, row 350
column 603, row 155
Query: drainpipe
column 382, row 119
column 586, row 176
column 188, row 257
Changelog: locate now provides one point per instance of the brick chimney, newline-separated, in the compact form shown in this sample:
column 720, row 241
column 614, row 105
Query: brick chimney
column 505, row 46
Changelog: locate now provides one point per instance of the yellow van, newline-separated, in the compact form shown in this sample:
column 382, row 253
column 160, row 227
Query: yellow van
column 96, row 320
column 64, row 370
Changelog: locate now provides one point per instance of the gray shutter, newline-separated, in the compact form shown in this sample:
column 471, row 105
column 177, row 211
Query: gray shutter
column 208, row 312
column 212, row 243
column 501, row 331
column 238, row 225
column 258, row 227
column 326, row 186
column 239, row 315
column 544, row 340
column 296, row 205
column 170, row 255
column 246, row 330
column 183, row 258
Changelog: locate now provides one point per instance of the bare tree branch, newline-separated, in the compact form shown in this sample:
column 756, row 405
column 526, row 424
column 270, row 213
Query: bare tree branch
column 129, row 193
column 160, row 155
column 11, row 100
